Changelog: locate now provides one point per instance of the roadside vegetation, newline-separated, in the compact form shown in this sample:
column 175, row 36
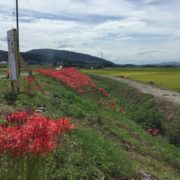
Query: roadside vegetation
column 144, row 109
column 111, row 140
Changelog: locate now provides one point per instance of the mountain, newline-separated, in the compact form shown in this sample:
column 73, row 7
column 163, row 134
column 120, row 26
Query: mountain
column 60, row 57
column 171, row 63
column 3, row 56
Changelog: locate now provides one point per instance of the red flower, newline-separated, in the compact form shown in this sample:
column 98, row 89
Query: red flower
column 17, row 118
column 113, row 105
column 29, row 79
column 102, row 91
column 154, row 131
column 34, row 134
column 73, row 79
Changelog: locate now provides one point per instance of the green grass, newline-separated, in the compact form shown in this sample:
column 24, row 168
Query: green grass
column 167, row 78
column 144, row 109
column 107, row 144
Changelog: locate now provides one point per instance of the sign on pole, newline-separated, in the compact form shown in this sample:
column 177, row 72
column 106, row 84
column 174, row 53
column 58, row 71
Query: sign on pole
column 12, row 55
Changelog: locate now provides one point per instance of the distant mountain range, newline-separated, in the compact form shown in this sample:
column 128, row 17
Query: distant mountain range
column 163, row 64
column 69, row 58
column 3, row 56
column 59, row 57
column 170, row 64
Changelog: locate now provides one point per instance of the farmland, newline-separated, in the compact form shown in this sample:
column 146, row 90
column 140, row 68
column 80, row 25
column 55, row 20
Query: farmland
column 167, row 78
column 111, row 139
column 3, row 70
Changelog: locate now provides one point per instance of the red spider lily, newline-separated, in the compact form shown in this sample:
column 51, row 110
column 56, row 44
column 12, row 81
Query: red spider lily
column 35, row 134
column 17, row 118
column 154, row 131
column 30, row 79
column 65, row 123
column 102, row 91
column 113, row 105
column 73, row 79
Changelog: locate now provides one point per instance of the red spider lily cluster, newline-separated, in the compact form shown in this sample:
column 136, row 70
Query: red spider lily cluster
column 31, row 85
column 73, row 79
column 30, row 79
column 102, row 91
column 154, row 131
column 80, row 83
column 17, row 118
column 113, row 105
column 34, row 134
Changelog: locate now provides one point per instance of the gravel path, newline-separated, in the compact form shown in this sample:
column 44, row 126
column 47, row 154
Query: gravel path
column 148, row 89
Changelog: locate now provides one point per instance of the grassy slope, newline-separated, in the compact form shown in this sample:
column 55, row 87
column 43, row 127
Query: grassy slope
column 107, row 144
column 163, row 77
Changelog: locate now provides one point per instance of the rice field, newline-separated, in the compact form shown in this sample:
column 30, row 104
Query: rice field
column 166, row 78
column 3, row 70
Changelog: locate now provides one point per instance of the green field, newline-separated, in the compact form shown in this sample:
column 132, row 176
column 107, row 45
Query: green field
column 3, row 70
column 167, row 78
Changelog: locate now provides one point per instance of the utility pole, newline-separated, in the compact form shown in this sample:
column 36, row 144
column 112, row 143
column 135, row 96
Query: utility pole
column 17, row 39
column 17, row 24
column 17, row 31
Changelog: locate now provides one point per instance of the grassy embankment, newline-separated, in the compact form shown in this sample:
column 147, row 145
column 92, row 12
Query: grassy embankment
column 107, row 144
column 168, row 78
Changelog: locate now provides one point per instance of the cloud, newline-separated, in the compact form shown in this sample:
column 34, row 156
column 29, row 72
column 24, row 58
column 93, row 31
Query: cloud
column 63, row 44
column 3, row 39
column 124, row 30
column 145, row 52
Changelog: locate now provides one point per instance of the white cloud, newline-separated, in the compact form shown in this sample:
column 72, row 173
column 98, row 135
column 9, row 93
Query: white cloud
column 124, row 30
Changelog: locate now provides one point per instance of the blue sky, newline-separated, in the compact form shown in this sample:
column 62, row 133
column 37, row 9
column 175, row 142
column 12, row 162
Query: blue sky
column 125, row 31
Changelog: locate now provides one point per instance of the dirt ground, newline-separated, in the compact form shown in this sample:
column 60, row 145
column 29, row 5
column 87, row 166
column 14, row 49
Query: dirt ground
column 167, row 95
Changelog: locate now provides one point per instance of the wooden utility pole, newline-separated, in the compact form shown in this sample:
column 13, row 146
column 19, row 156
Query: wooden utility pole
column 17, row 24
column 17, row 39
column 14, row 56
column 17, row 28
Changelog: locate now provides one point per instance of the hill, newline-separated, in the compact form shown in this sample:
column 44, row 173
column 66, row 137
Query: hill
column 171, row 63
column 60, row 57
column 3, row 56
